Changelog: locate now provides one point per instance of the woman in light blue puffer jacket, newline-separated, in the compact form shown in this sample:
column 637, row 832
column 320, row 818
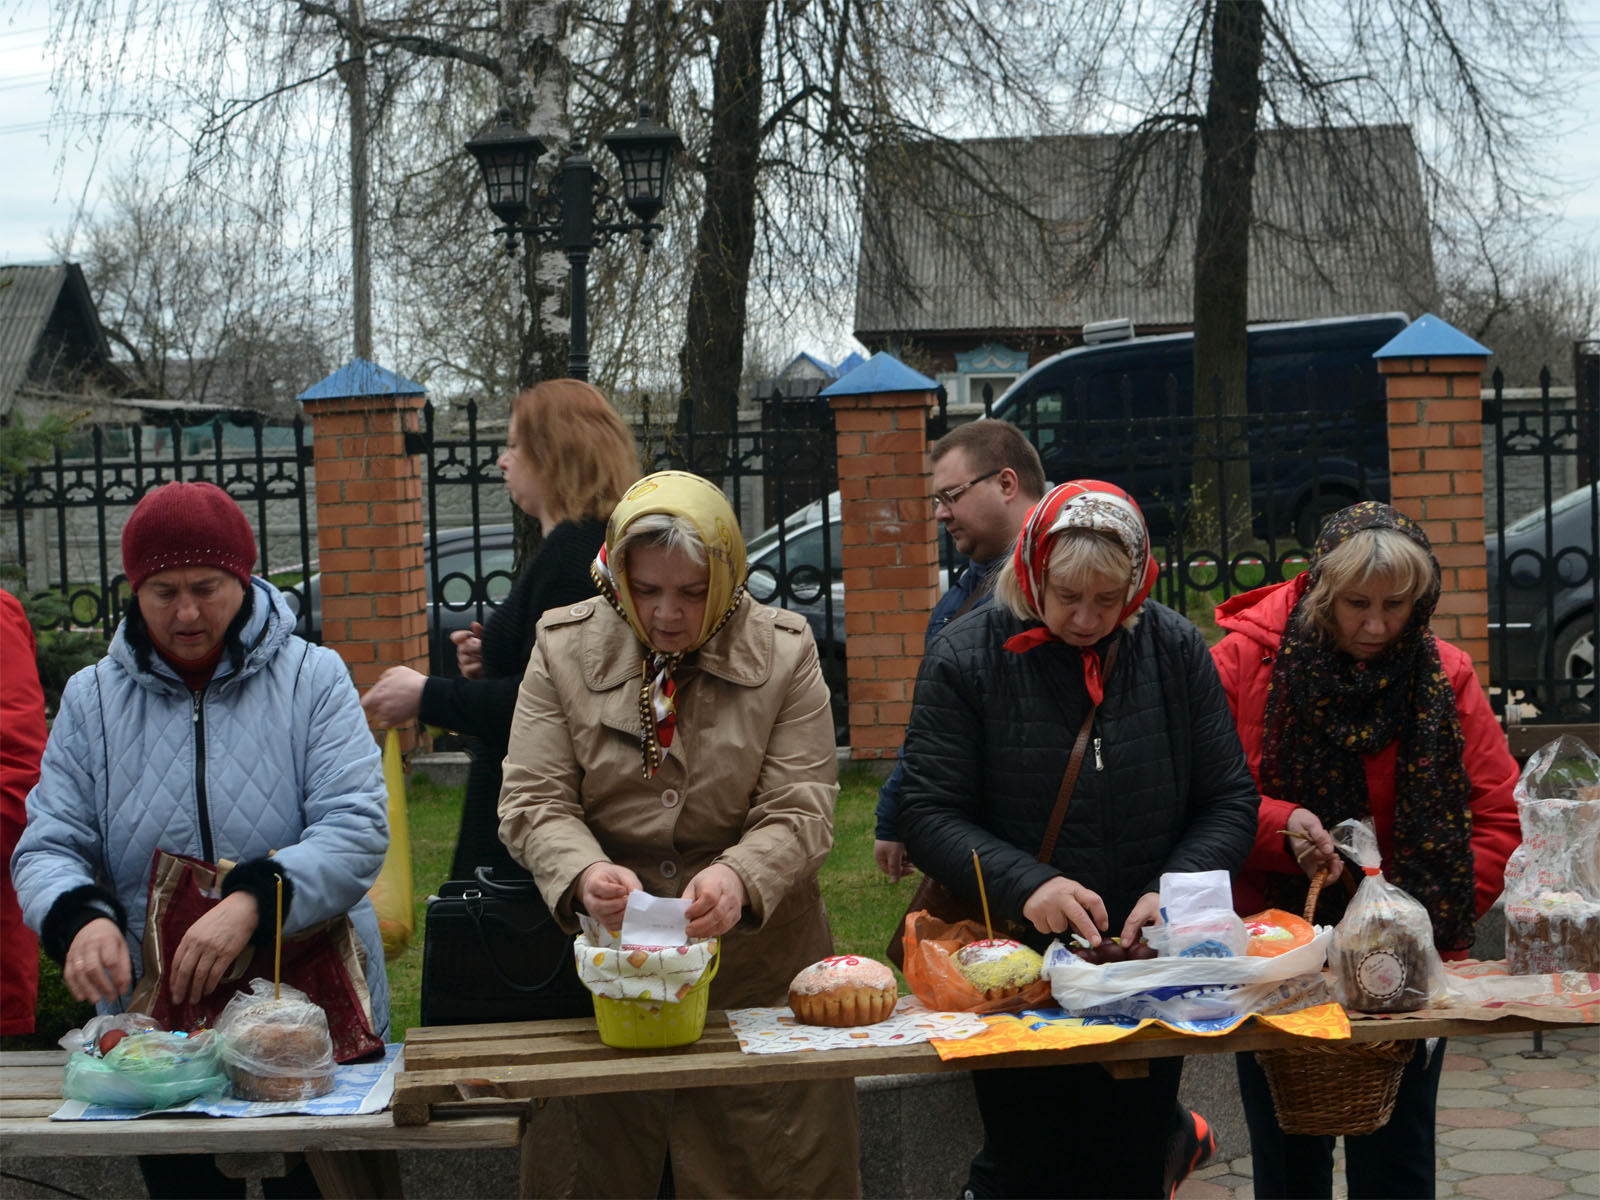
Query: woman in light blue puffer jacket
column 268, row 755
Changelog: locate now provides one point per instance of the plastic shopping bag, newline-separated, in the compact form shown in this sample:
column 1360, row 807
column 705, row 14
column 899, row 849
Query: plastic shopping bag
column 1189, row 989
column 932, row 974
column 391, row 893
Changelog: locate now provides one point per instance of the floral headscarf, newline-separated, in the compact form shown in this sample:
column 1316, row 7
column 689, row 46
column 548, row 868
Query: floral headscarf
column 1080, row 504
column 1327, row 710
column 702, row 504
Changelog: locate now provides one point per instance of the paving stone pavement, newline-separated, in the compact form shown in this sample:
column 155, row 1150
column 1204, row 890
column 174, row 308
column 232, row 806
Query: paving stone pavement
column 1510, row 1126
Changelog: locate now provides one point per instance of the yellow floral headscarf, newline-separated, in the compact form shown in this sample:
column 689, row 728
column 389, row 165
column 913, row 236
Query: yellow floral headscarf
column 702, row 504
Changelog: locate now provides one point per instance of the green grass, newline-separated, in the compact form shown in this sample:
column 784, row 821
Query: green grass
column 434, row 813
column 863, row 906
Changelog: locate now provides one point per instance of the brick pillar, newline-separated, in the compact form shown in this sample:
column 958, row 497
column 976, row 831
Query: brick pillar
column 889, row 544
column 369, row 520
column 1434, row 377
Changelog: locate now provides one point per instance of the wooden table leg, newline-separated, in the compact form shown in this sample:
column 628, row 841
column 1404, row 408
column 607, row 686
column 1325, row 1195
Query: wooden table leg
column 356, row 1174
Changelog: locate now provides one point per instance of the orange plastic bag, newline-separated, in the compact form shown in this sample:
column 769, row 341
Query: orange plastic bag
column 1274, row 932
column 935, row 979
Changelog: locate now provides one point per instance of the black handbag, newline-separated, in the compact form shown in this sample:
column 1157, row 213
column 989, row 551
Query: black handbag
column 491, row 951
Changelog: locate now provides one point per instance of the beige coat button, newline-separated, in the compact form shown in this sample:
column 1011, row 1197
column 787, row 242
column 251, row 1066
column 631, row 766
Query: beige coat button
column 669, row 798
column 669, row 869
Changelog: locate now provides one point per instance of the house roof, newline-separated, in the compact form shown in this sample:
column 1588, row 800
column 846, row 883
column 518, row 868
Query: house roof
column 1339, row 226
column 32, row 297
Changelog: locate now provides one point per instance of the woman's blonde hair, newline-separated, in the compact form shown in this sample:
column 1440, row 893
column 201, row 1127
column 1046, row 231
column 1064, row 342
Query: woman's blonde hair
column 1364, row 556
column 1076, row 556
column 583, row 451
column 671, row 533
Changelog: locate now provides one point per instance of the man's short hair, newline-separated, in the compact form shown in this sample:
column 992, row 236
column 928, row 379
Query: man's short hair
column 991, row 445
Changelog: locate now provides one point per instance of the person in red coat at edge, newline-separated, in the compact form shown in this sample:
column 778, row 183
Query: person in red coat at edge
column 1349, row 706
column 22, row 738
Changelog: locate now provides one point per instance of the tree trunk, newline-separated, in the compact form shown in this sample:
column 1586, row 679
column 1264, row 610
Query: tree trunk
column 536, row 81
column 712, row 359
column 354, row 74
column 1222, row 262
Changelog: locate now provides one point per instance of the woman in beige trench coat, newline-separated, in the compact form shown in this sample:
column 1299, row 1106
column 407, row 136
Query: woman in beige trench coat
column 674, row 735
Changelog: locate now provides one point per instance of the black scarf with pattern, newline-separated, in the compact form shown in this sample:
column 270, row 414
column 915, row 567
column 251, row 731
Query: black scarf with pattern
column 1327, row 710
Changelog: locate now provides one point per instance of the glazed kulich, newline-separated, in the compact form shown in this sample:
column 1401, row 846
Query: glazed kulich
column 843, row 990
column 998, row 967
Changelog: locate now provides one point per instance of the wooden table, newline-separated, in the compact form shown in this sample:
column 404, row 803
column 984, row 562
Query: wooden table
column 448, row 1070
column 351, row 1156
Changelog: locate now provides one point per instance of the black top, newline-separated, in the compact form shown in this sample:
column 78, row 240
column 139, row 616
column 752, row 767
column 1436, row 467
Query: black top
column 557, row 575
column 991, row 732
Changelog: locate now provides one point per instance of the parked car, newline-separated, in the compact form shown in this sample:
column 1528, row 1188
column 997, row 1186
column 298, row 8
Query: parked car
column 1544, row 599
column 1104, row 411
column 471, row 588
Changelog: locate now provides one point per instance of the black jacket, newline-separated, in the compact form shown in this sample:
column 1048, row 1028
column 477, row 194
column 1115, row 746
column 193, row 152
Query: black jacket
column 556, row 576
column 992, row 730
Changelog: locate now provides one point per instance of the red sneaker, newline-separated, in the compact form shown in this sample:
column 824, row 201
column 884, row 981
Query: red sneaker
column 1192, row 1146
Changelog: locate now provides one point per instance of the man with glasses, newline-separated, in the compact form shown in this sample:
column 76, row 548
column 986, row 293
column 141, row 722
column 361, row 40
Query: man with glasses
column 986, row 476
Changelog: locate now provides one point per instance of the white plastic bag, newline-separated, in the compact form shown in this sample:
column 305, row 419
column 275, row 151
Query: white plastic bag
column 1197, row 912
column 1189, row 989
column 1383, row 956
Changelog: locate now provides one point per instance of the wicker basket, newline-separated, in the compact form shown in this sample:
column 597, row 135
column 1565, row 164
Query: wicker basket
column 1342, row 1089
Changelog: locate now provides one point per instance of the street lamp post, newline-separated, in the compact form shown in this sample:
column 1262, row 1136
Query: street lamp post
column 576, row 210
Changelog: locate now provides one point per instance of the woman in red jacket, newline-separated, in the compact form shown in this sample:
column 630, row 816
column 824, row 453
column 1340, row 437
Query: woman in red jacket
column 1348, row 706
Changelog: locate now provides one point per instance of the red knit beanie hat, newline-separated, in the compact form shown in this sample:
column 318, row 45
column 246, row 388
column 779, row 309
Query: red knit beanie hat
column 187, row 525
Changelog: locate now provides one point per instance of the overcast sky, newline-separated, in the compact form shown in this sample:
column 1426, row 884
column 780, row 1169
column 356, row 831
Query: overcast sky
column 51, row 180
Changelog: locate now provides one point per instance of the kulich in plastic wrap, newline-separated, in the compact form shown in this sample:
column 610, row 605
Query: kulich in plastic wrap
column 1383, row 956
column 843, row 991
column 1552, row 893
column 276, row 1049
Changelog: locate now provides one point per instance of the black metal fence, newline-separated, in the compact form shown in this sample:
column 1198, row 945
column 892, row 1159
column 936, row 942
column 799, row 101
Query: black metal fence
column 778, row 467
column 1543, row 564
column 63, row 520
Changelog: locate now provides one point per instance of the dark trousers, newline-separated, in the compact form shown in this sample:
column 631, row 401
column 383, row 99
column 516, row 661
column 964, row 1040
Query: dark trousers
column 1395, row 1161
column 1075, row 1131
column 195, row 1177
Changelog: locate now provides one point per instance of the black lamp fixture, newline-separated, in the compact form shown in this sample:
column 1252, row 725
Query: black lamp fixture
column 576, row 209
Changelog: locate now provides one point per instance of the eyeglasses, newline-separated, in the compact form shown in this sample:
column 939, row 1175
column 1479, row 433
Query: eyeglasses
column 949, row 496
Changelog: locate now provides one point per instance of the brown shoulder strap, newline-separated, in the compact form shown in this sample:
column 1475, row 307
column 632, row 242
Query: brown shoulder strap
column 1047, row 848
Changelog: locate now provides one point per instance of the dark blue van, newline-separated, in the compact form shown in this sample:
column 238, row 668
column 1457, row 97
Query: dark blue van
column 1315, row 434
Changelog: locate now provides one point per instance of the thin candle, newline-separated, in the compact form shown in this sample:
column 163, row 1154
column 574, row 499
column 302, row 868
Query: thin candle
column 277, row 943
column 982, row 895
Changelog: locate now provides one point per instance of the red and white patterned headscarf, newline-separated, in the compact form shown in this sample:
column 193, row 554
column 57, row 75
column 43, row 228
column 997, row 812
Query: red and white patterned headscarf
column 1080, row 504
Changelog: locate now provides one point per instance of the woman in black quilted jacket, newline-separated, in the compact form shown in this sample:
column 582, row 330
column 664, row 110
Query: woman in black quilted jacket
column 568, row 459
column 1000, row 699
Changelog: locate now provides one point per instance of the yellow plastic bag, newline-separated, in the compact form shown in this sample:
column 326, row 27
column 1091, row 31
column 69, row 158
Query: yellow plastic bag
column 391, row 894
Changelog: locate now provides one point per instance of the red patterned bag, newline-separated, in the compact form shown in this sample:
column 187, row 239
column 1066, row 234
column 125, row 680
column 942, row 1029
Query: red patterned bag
column 324, row 962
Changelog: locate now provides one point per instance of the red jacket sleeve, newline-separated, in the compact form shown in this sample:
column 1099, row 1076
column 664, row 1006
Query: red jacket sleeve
column 22, row 728
column 1245, row 674
column 1496, row 832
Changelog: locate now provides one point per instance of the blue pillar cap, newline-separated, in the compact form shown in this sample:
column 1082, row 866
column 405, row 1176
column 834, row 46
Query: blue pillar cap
column 883, row 372
column 359, row 377
column 1431, row 337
